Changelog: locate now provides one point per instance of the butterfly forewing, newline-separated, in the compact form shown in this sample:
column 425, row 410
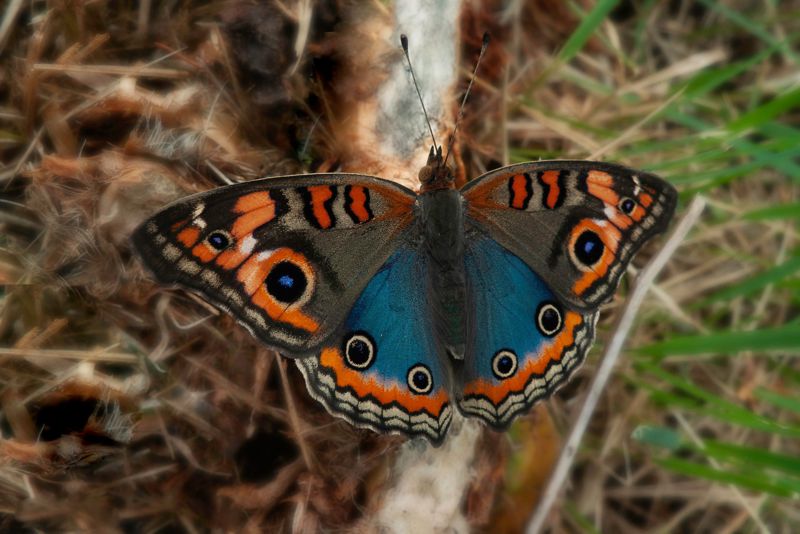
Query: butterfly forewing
column 577, row 224
column 287, row 257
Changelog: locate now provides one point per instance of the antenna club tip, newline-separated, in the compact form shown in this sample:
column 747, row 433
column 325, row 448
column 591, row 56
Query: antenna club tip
column 404, row 41
column 486, row 38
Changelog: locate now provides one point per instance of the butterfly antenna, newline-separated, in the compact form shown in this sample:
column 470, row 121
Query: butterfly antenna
column 404, row 43
column 484, row 46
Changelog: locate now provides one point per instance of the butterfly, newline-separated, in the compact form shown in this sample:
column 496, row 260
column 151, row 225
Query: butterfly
column 399, row 307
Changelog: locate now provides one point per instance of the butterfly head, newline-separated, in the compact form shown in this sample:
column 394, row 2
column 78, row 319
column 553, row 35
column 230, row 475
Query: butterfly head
column 436, row 174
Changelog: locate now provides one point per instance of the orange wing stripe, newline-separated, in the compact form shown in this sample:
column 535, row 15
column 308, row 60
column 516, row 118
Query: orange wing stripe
column 319, row 195
column 553, row 191
column 519, row 192
column 358, row 204
column 204, row 253
column 251, row 220
column 253, row 201
column 497, row 392
column 383, row 392
column 189, row 236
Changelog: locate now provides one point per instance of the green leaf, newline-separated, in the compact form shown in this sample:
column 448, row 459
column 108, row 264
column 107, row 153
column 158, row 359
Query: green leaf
column 749, row 23
column 586, row 28
column 728, row 343
column 781, row 401
column 756, row 482
column 659, row 436
column 692, row 398
column 709, row 79
column 771, row 109
column 781, row 211
column 756, row 283
column 751, row 457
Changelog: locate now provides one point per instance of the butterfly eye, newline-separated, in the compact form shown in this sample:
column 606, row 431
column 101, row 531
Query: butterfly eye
column 589, row 248
column 627, row 205
column 219, row 240
column 420, row 380
column 359, row 351
column 504, row 364
column 548, row 319
column 286, row 282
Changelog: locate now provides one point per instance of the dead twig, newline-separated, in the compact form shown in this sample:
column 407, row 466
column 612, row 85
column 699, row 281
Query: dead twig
column 612, row 352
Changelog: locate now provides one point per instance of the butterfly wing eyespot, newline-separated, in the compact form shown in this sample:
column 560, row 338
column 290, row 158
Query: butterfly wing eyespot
column 419, row 379
column 627, row 205
column 219, row 240
column 548, row 319
column 359, row 350
column 504, row 364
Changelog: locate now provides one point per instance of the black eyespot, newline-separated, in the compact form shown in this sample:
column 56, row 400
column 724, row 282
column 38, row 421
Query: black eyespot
column 589, row 248
column 420, row 380
column 504, row 364
column 548, row 319
column 359, row 350
column 627, row 205
column 219, row 240
column 286, row 282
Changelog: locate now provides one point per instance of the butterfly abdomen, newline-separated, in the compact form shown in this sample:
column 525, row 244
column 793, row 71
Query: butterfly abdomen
column 442, row 218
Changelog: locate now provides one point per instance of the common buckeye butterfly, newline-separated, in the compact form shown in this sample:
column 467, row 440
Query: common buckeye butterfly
column 398, row 307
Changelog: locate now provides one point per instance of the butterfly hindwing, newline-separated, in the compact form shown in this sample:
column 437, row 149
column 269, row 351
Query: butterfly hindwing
column 575, row 223
column 524, row 341
column 286, row 256
column 381, row 370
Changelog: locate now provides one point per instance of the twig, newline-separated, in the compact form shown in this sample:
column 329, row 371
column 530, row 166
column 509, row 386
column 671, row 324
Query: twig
column 115, row 70
column 12, row 11
column 612, row 352
column 294, row 419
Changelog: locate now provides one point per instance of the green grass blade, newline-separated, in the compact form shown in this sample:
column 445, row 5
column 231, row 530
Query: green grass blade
column 728, row 343
column 688, row 396
column 781, row 211
column 755, row 283
column 749, row 24
column 585, row 29
column 791, row 404
column 750, row 481
column 766, row 112
column 751, row 457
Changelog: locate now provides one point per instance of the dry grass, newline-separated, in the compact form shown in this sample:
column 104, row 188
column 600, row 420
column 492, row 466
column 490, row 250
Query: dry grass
column 127, row 406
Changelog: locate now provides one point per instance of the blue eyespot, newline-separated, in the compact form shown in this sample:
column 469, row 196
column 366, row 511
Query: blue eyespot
column 218, row 240
column 419, row 379
column 504, row 364
column 286, row 282
column 626, row 205
column 589, row 248
column 548, row 319
column 359, row 350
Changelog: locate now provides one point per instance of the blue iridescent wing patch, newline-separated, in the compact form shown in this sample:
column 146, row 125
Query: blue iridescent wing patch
column 382, row 370
column 524, row 342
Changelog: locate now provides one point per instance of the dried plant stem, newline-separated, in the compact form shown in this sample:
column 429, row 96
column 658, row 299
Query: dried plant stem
column 294, row 418
column 612, row 352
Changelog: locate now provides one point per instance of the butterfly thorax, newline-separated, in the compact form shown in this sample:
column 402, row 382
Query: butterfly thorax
column 436, row 174
column 441, row 214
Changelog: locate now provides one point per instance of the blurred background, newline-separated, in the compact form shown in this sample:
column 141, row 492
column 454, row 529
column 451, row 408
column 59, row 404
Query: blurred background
column 129, row 407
